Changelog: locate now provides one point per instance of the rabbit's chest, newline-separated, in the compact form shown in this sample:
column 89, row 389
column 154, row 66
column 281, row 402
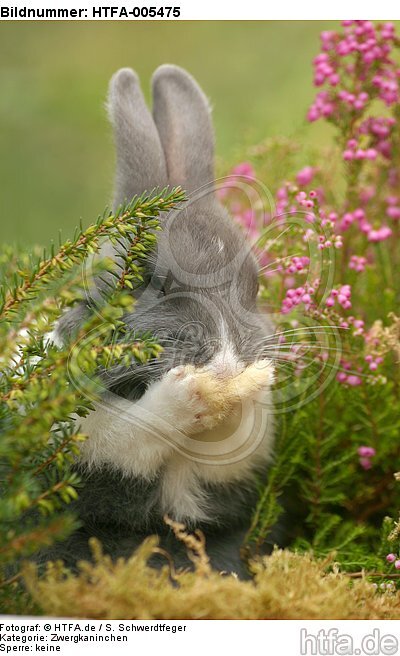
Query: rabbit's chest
column 182, row 467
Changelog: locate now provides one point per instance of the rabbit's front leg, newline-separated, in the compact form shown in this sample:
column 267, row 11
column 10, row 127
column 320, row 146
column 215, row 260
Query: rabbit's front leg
column 138, row 436
column 178, row 399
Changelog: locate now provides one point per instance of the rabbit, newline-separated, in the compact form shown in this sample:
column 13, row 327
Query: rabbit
column 155, row 445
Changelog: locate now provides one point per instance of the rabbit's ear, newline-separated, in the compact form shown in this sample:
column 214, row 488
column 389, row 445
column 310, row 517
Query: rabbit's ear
column 140, row 157
column 183, row 117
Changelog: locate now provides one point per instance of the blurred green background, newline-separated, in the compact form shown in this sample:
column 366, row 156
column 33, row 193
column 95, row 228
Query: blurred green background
column 56, row 164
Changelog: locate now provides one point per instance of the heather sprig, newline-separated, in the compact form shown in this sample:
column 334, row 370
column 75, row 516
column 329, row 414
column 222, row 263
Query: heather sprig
column 46, row 386
column 136, row 219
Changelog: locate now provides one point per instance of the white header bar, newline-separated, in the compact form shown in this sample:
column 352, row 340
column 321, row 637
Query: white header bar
column 134, row 10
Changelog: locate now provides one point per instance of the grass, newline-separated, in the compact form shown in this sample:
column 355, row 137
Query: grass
column 286, row 586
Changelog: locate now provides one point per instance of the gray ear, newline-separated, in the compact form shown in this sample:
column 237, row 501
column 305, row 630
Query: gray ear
column 183, row 118
column 140, row 157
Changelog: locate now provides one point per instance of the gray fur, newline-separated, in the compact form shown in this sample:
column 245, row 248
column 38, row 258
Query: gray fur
column 200, row 290
column 140, row 158
column 183, row 118
column 122, row 513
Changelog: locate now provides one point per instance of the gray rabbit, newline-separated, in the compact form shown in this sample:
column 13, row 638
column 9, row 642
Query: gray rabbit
column 155, row 447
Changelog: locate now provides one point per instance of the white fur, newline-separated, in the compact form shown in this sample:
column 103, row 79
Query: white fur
column 226, row 362
column 170, row 432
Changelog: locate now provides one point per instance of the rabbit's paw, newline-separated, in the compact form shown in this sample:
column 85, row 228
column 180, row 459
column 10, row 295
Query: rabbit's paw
column 192, row 409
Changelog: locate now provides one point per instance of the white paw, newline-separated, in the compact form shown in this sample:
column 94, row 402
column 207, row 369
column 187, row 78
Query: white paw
column 186, row 404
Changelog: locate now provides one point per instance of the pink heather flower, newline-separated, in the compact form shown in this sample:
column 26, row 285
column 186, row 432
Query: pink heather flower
column 305, row 176
column 358, row 56
column 343, row 48
column 373, row 362
column 346, row 97
column 313, row 114
column 372, row 45
column 358, row 263
column 371, row 153
column 347, row 220
column 344, row 296
column 245, row 169
column 282, row 193
column 388, row 31
column 378, row 130
column 282, row 199
column 298, row 264
column 387, row 85
column 391, row 557
column 247, row 220
column 322, row 106
column 397, row 564
column 366, row 464
column 360, row 101
column 385, row 148
column 358, row 324
column 295, row 296
column 348, row 154
column 365, row 227
column 353, row 380
column 334, row 79
column 383, row 233
column 367, row 193
column 289, row 281
column 366, row 451
column 393, row 212
column 359, row 214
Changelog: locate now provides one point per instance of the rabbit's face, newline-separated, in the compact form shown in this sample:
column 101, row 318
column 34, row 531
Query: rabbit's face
column 199, row 296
